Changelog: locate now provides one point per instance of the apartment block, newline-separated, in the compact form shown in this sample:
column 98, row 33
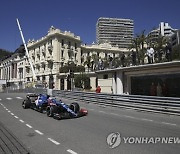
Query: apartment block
column 118, row 32
column 164, row 29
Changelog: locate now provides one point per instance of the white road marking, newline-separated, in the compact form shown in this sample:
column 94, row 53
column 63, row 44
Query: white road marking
column 37, row 131
column 16, row 117
column 166, row 123
column 9, row 98
column 71, row 151
column 102, row 111
column 29, row 125
column 19, row 97
column 21, row 121
column 55, row 142
column 12, row 113
column 9, row 111
column 146, row 119
column 114, row 114
column 129, row 117
column 0, row 99
column 6, row 109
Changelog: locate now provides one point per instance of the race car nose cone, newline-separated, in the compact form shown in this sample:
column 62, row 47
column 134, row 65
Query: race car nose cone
column 84, row 111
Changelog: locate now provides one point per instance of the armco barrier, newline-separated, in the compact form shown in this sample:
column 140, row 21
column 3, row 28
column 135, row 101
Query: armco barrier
column 167, row 105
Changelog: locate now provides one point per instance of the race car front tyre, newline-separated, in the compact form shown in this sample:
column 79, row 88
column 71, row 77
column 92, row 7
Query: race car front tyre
column 74, row 107
column 50, row 111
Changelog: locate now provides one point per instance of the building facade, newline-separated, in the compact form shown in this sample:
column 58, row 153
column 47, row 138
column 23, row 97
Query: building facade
column 57, row 49
column 116, row 31
column 175, row 38
column 137, row 80
column 50, row 53
column 12, row 69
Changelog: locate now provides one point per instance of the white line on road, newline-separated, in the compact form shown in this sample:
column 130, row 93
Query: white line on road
column 37, row 131
column 19, row 97
column 71, row 151
column 6, row 109
column 0, row 99
column 129, row 117
column 29, row 125
column 9, row 111
column 21, row 121
column 166, row 123
column 146, row 119
column 9, row 98
column 115, row 114
column 12, row 113
column 55, row 142
column 16, row 117
column 102, row 111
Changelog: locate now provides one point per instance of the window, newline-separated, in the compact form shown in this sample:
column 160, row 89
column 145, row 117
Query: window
column 62, row 53
column 62, row 42
column 69, row 44
column 105, row 76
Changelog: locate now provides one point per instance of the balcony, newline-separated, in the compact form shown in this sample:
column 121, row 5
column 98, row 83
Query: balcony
column 37, row 61
column 43, row 50
column 38, row 52
column 27, row 65
column 49, row 58
column 33, row 55
column 42, row 59
column 62, row 58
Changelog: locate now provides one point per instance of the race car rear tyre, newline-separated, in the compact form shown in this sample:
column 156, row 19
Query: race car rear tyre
column 74, row 107
column 50, row 111
column 26, row 103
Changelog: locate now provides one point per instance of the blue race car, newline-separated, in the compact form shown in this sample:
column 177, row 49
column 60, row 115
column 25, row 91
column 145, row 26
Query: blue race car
column 60, row 110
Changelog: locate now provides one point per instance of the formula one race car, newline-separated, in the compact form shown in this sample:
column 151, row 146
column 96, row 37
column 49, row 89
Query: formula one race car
column 35, row 101
column 60, row 110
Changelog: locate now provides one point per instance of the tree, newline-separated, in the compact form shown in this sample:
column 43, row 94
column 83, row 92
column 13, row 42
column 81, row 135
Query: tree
column 176, row 52
column 138, row 44
column 4, row 54
column 82, row 81
column 72, row 67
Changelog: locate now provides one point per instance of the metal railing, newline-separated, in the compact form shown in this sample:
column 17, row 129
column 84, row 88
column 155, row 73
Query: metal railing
column 167, row 105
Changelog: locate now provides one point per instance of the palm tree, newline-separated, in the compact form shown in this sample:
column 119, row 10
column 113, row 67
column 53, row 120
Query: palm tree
column 141, row 41
column 159, row 46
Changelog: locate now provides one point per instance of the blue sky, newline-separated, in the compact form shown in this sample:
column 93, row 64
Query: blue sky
column 79, row 17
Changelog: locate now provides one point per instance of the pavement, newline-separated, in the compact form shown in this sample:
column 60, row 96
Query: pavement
column 9, row 143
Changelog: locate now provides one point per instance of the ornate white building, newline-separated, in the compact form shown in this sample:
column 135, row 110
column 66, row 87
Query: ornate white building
column 53, row 51
column 12, row 69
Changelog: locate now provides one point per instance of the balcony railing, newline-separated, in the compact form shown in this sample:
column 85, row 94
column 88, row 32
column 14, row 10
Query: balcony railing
column 38, row 52
column 49, row 58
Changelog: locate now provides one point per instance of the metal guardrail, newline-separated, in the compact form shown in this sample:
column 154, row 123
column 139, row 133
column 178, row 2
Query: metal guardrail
column 167, row 105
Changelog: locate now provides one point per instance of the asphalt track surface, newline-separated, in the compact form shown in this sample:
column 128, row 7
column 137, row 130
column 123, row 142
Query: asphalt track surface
column 38, row 134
